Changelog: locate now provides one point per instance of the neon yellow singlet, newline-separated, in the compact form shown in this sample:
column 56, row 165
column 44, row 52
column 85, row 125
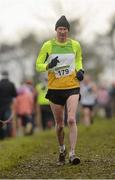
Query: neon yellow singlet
column 62, row 76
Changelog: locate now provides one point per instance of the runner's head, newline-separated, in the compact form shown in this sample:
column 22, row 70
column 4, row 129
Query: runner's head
column 62, row 22
column 62, row 28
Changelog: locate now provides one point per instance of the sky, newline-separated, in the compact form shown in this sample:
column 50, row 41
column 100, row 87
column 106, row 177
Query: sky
column 21, row 17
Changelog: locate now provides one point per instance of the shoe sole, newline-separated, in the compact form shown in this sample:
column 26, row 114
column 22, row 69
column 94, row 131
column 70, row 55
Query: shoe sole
column 75, row 161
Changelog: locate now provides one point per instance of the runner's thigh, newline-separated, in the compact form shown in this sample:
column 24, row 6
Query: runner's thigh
column 58, row 111
column 72, row 104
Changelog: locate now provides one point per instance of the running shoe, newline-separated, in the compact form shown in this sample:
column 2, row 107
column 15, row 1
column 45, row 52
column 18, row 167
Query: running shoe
column 61, row 160
column 74, row 160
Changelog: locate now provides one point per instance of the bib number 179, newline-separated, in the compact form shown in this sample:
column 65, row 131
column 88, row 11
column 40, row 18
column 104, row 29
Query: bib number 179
column 63, row 72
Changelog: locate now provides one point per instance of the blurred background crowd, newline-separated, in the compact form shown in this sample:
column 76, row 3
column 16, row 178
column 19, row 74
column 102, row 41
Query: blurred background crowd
column 23, row 28
column 26, row 110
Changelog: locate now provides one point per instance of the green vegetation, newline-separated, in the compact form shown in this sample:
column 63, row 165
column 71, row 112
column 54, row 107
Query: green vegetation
column 35, row 156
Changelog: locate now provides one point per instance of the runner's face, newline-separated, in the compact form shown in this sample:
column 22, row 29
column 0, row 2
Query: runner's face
column 62, row 34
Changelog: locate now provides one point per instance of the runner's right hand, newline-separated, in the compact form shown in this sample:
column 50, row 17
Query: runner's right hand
column 53, row 63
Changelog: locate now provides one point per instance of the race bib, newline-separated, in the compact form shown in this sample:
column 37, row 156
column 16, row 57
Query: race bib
column 65, row 66
column 62, row 71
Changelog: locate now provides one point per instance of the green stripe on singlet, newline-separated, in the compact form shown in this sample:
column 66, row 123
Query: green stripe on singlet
column 61, row 48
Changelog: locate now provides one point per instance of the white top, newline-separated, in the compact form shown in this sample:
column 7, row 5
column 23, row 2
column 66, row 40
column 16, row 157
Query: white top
column 88, row 96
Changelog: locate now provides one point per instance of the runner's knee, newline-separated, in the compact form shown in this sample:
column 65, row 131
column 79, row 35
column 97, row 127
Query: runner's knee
column 71, row 121
column 59, row 127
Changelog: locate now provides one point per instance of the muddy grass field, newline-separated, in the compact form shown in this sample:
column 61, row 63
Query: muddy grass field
column 35, row 157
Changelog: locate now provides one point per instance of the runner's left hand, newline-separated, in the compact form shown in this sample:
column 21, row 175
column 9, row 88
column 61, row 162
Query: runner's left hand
column 80, row 75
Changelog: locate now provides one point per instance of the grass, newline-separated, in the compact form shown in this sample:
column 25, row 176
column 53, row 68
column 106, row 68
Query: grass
column 35, row 156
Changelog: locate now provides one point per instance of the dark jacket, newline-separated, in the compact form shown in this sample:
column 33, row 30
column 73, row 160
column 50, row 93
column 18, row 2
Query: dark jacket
column 7, row 93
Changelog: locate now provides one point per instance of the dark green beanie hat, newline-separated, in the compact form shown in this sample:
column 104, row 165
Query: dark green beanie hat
column 62, row 21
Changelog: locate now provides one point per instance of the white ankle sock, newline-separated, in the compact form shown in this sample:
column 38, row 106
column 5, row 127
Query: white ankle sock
column 71, row 153
column 62, row 148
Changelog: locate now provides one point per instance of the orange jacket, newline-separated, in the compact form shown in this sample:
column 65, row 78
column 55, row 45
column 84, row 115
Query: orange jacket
column 24, row 104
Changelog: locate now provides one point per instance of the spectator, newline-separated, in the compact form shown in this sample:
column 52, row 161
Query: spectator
column 88, row 99
column 30, row 86
column 47, row 119
column 7, row 95
column 112, row 97
column 24, row 109
column 103, row 100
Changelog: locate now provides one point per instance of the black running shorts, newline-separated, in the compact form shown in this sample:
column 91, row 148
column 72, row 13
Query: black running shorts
column 60, row 96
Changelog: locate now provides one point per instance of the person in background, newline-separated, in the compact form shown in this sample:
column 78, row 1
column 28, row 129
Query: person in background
column 47, row 120
column 29, row 85
column 104, row 100
column 24, row 105
column 62, row 58
column 7, row 95
column 88, row 100
column 112, row 98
